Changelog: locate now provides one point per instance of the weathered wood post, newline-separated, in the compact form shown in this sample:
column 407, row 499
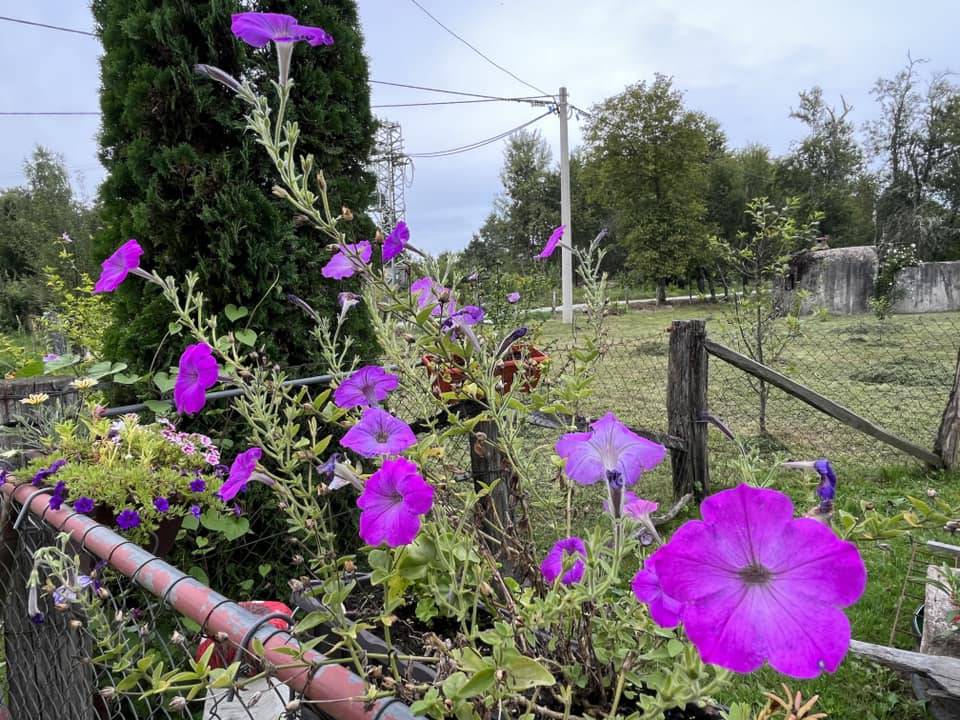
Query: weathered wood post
column 13, row 391
column 487, row 465
column 947, row 444
column 686, row 406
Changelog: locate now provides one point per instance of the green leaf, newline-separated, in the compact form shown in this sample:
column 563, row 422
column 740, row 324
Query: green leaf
column 122, row 379
column 234, row 313
column 174, row 328
column 525, row 673
column 265, row 569
column 160, row 407
column 311, row 621
column 478, row 684
column 197, row 573
column 190, row 523
column 246, row 336
column 163, row 382
column 31, row 369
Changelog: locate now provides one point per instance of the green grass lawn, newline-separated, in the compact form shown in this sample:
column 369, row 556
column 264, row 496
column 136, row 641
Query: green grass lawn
column 896, row 373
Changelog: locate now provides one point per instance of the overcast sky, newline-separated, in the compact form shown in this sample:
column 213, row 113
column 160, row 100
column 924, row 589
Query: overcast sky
column 741, row 61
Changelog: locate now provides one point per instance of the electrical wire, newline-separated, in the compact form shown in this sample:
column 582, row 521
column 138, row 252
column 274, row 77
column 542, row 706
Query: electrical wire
column 461, row 93
column 477, row 50
column 531, row 100
column 479, row 143
column 31, row 114
column 49, row 27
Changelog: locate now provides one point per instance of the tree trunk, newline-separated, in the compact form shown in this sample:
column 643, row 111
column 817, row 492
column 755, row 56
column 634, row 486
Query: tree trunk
column 661, row 291
column 701, row 281
column 713, row 289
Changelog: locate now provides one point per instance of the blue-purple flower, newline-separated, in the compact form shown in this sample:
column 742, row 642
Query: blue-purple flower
column 198, row 485
column 58, row 496
column 128, row 519
column 513, row 298
column 552, row 243
column 378, row 433
column 83, row 505
column 161, row 504
column 258, row 29
column 43, row 473
column 392, row 502
column 559, row 558
column 195, row 511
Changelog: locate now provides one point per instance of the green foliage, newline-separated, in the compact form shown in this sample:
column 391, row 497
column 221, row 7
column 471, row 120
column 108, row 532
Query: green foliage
column 192, row 187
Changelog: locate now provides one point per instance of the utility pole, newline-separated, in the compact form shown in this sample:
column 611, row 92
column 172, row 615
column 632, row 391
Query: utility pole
column 566, row 253
column 390, row 166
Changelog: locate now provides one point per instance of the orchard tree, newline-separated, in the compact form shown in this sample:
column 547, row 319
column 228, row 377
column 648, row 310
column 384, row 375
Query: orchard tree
column 195, row 189
column 649, row 157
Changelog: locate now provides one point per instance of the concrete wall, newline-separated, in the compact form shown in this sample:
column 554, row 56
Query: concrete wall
column 929, row 287
column 842, row 281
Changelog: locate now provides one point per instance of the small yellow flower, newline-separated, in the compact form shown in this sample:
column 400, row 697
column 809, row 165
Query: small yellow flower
column 83, row 383
column 35, row 399
column 10, row 376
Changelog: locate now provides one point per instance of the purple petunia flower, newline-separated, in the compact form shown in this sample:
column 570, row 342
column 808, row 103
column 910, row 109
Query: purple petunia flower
column 161, row 504
column 367, row 386
column 378, row 433
column 612, row 452
column 757, row 585
column 553, row 564
column 392, row 502
column 347, row 300
column 513, row 298
column 50, row 357
column 43, row 473
column 3, row 476
column 552, row 243
column 128, row 519
column 258, row 29
column 460, row 323
column 240, row 472
column 83, row 505
column 337, row 474
column 58, row 496
column 195, row 511
column 116, row 267
column 633, row 506
column 826, row 490
column 198, row 485
column 664, row 610
column 427, row 292
column 349, row 259
column 198, row 373
column 396, row 241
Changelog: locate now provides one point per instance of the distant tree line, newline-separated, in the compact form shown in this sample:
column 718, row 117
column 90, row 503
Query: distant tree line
column 664, row 180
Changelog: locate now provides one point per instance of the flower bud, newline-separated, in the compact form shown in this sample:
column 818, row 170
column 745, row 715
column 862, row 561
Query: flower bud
column 378, row 237
column 177, row 638
column 346, row 213
column 349, row 566
column 75, row 624
column 178, row 703
column 297, row 559
column 108, row 693
column 280, row 192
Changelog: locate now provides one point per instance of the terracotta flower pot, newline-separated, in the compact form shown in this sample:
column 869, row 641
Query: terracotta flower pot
column 521, row 357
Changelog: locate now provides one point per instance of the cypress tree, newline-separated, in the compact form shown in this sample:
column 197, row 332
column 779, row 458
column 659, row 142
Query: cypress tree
column 187, row 181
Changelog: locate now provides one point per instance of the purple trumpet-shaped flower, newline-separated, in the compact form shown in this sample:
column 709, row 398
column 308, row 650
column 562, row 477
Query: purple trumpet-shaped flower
column 826, row 490
column 195, row 511
column 664, row 610
column 365, row 387
column 198, row 373
column 198, row 485
column 461, row 321
column 552, row 243
column 348, row 260
column 378, row 433
column 128, row 519
column 240, row 472
column 428, row 292
column 513, row 298
column 161, row 504
column 50, row 357
column 396, row 241
column 755, row 584
column 347, row 300
column 124, row 260
column 338, row 475
column 257, row 29
column 3, row 476
column 611, row 452
column 33, row 605
column 83, row 505
column 553, row 564
column 58, row 496
column 392, row 502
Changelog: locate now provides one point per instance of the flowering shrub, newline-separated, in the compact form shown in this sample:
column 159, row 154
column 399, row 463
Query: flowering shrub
column 543, row 622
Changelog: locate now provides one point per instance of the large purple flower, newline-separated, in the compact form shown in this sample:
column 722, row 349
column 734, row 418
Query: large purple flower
column 257, row 29
column 553, row 564
column 378, row 433
column 116, row 267
column 552, row 243
column 664, row 610
column 396, row 241
column 198, row 373
column 365, row 387
column 758, row 585
column 392, row 502
column 427, row 291
column 240, row 472
column 612, row 452
column 349, row 259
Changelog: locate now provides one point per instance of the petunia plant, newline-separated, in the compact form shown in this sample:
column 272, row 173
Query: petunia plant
column 518, row 611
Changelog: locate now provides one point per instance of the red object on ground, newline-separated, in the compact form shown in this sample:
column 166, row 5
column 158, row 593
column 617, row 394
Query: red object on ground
column 226, row 655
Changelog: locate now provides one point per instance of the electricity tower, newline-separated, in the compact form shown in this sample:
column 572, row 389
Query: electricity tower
column 390, row 165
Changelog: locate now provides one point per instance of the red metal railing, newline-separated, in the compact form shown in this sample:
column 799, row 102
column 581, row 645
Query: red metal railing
column 339, row 691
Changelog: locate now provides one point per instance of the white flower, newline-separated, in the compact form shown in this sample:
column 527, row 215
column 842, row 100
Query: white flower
column 83, row 383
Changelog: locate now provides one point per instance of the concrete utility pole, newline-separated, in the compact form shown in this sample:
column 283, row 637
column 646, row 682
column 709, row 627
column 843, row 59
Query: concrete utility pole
column 566, row 254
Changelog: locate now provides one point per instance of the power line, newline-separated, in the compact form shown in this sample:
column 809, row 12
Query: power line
column 461, row 93
column 479, row 143
column 31, row 114
column 476, row 49
column 535, row 101
column 49, row 27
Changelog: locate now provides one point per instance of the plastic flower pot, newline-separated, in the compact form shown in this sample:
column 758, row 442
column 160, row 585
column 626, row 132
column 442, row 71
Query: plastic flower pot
column 521, row 357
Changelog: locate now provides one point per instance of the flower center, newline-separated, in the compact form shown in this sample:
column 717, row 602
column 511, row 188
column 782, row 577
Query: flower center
column 382, row 436
column 368, row 390
column 755, row 574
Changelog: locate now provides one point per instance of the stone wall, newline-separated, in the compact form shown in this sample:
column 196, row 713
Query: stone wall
column 841, row 280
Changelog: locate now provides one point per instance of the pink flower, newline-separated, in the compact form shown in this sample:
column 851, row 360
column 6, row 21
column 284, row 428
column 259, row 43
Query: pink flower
column 378, row 433
column 240, row 472
column 257, row 29
column 396, row 241
column 633, row 506
column 553, row 564
column 757, row 585
column 116, row 267
column 612, row 452
column 552, row 243
column 348, row 260
column 664, row 610
column 392, row 502
column 367, row 386
column 198, row 373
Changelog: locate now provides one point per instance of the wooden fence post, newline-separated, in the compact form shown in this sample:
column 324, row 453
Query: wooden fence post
column 686, row 406
column 947, row 444
column 487, row 465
